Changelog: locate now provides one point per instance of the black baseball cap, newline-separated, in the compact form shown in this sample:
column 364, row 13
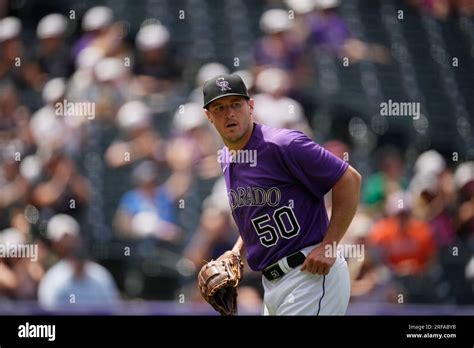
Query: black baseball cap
column 223, row 86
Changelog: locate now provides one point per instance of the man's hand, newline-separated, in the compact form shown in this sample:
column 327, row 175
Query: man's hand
column 319, row 261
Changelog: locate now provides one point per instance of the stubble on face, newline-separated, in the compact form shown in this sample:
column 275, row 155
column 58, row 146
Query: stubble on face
column 235, row 127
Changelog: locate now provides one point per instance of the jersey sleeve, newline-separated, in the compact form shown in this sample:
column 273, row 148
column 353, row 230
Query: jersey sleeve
column 312, row 165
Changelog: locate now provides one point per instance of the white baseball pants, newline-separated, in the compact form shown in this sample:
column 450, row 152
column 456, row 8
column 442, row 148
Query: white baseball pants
column 303, row 293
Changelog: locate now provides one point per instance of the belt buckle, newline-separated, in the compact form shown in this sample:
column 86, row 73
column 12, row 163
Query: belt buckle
column 277, row 270
column 275, row 273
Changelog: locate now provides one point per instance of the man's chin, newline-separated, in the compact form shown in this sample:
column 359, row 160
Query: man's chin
column 233, row 136
column 232, row 139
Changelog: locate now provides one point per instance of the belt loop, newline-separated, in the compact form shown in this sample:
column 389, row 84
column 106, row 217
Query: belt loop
column 283, row 263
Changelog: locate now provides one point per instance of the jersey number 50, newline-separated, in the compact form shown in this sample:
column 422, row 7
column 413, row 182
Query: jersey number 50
column 268, row 234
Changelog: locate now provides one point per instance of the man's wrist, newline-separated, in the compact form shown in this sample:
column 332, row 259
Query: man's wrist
column 330, row 240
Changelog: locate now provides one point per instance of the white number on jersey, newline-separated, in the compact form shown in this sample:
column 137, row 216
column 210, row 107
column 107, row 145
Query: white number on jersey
column 268, row 234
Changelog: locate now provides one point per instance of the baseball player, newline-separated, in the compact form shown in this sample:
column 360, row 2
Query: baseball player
column 277, row 199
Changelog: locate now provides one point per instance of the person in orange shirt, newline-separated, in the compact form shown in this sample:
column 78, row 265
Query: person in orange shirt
column 405, row 243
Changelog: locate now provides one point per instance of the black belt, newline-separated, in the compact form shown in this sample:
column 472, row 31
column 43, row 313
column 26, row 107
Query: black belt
column 274, row 272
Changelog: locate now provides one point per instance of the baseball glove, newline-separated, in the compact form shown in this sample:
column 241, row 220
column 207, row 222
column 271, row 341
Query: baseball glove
column 218, row 281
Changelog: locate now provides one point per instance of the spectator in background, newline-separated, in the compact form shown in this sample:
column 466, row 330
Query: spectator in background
column 442, row 9
column 277, row 48
column 455, row 258
column 464, row 182
column 139, row 141
column 371, row 280
column 406, row 245
column 54, row 130
column 100, row 32
column 328, row 30
column 319, row 25
column 15, row 67
column 102, row 81
column 95, row 22
column 83, row 80
column 157, row 68
column 74, row 280
column 52, row 53
column 389, row 179
column 19, row 276
column 11, row 49
column 157, row 201
column 60, row 188
column 432, row 189
column 282, row 48
column 464, row 7
column 272, row 105
column 13, row 117
column 190, row 127
column 13, row 186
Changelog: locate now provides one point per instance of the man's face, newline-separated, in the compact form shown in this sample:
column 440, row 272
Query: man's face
column 232, row 117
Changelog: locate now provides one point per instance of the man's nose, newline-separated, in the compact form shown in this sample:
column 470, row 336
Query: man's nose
column 229, row 112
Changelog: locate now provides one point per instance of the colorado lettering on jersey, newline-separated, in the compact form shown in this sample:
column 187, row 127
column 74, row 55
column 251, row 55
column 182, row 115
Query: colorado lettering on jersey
column 253, row 196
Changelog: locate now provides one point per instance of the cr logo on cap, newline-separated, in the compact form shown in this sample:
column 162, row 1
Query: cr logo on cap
column 223, row 84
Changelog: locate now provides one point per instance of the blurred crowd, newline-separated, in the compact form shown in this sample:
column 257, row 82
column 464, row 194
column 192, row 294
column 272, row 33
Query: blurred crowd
column 442, row 9
column 102, row 119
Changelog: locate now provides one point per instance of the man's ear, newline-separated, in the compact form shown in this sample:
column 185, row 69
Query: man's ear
column 208, row 115
column 251, row 103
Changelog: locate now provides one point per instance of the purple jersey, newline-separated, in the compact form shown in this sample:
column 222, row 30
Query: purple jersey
column 277, row 199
